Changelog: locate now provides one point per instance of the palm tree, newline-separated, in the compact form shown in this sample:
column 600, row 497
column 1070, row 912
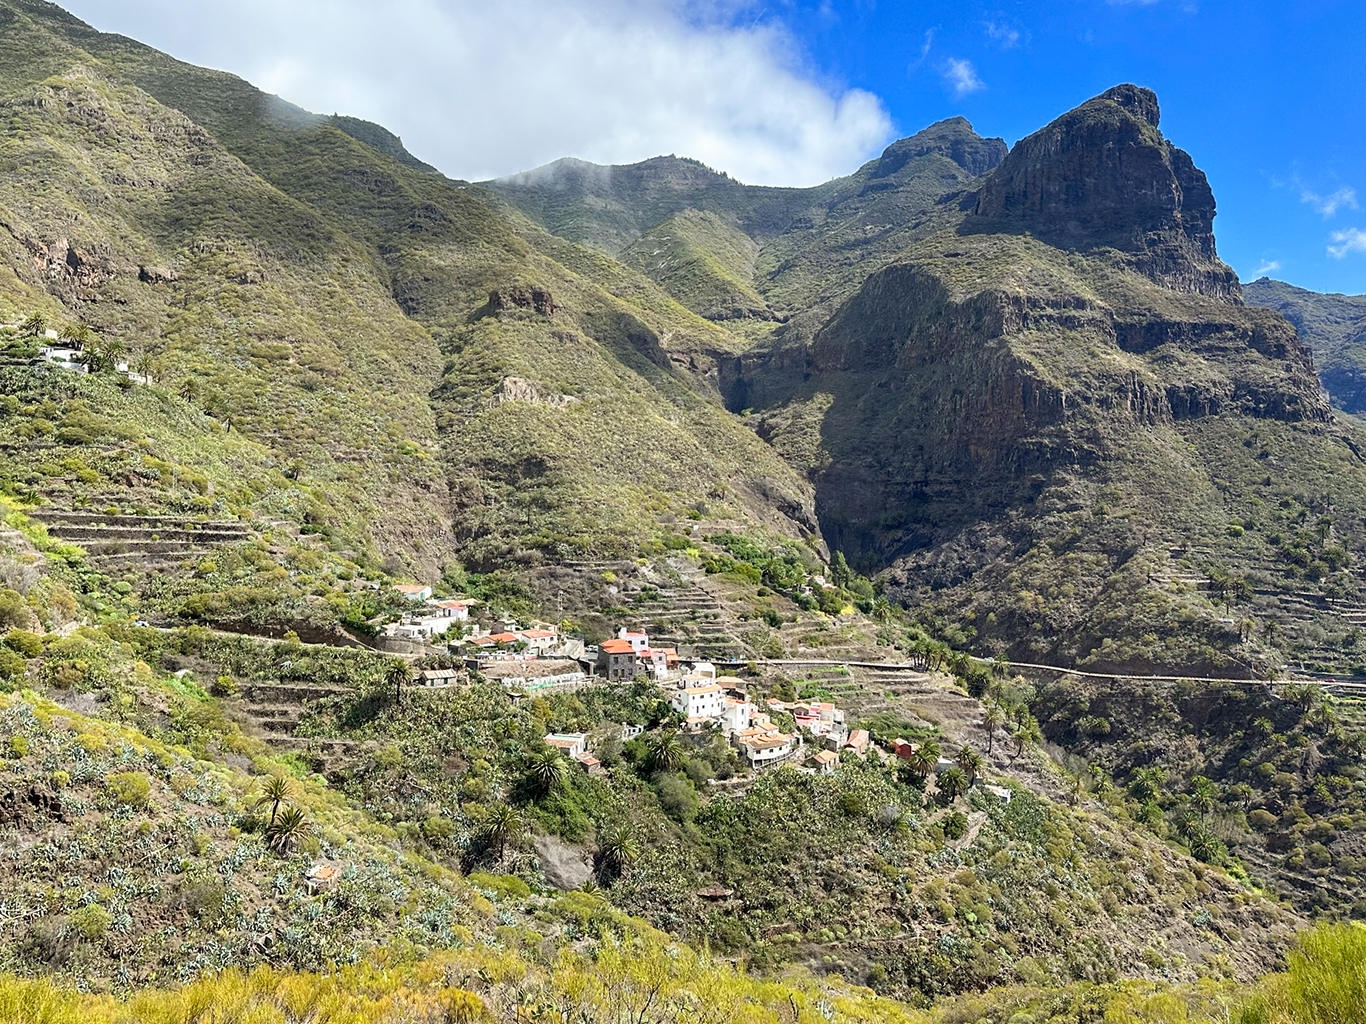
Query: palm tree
column 399, row 673
column 1147, row 781
column 1188, row 824
column 275, row 792
column 1026, row 732
column 34, row 325
column 666, row 753
column 547, row 770
column 992, row 719
column 620, row 848
column 502, row 826
column 288, row 830
column 1100, row 780
column 189, row 389
column 952, row 783
column 1204, row 794
column 140, row 362
column 924, row 757
column 970, row 761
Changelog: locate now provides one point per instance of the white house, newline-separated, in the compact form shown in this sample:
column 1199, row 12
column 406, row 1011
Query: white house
column 540, row 640
column 697, row 699
column 458, row 610
column 637, row 638
column 415, row 592
column 572, row 743
column 763, row 747
column 736, row 715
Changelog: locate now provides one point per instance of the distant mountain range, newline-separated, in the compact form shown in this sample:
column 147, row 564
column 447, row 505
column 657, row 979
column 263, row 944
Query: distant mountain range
column 1017, row 386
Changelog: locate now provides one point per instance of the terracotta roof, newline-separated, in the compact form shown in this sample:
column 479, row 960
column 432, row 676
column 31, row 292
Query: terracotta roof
column 537, row 634
column 703, row 688
column 617, row 647
column 636, row 632
column 412, row 588
column 450, row 604
column 767, row 742
column 826, row 757
column 504, row 638
column 715, row 892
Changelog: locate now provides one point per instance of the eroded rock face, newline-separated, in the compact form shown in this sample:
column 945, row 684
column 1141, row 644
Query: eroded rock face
column 953, row 138
column 23, row 806
column 156, row 275
column 1102, row 175
column 532, row 297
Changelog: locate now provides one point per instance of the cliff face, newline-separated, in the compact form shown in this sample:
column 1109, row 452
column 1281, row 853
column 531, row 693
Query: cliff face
column 1102, row 175
column 1056, row 395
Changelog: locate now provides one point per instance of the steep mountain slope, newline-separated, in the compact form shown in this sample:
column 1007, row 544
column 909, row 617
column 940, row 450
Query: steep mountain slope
column 1334, row 328
column 814, row 244
column 1054, row 415
column 296, row 269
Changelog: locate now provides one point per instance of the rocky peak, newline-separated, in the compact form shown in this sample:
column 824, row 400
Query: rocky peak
column 953, row 138
column 1102, row 176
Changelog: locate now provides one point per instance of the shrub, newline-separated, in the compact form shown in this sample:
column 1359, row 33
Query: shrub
column 1261, row 820
column 13, row 610
column 678, row 798
column 12, row 666
column 30, row 645
column 131, row 788
column 91, row 922
column 18, row 746
column 955, row 825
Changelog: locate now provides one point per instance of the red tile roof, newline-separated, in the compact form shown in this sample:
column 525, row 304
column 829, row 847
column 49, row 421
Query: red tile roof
column 618, row 647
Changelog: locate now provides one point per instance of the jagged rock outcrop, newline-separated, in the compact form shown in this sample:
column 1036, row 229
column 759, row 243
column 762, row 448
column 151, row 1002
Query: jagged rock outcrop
column 532, row 297
column 1102, row 175
column 953, row 138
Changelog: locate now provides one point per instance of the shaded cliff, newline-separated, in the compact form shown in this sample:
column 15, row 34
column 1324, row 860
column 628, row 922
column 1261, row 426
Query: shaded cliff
column 1055, row 416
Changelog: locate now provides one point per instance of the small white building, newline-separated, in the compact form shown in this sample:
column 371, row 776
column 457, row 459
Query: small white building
column 63, row 358
column 457, row 610
column 417, row 593
column 763, row 747
column 574, row 744
column 696, row 699
column 540, row 640
column 999, row 792
column 737, row 715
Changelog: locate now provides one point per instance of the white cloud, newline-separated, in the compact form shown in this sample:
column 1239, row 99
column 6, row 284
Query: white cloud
column 1266, row 267
column 1002, row 35
column 1328, row 206
column 962, row 76
column 482, row 90
column 1351, row 240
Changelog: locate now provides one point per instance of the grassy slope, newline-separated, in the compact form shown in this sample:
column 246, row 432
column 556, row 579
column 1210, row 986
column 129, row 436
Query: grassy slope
column 439, row 249
column 702, row 261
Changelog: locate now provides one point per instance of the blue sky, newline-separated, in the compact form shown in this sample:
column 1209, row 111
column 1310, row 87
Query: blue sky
column 1268, row 97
